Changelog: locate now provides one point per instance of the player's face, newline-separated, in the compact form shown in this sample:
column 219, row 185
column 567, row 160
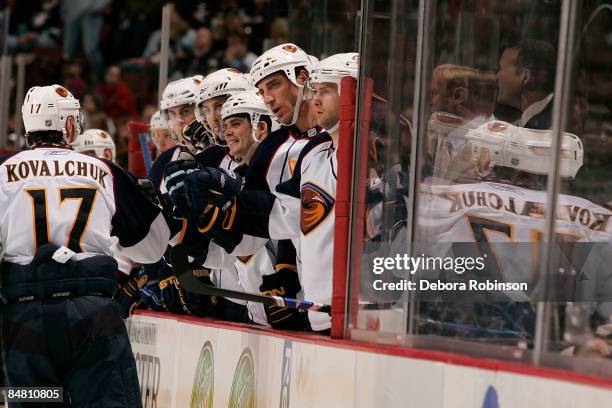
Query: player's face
column 212, row 113
column 280, row 96
column 326, row 101
column 509, row 79
column 179, row 116
column 162, row 139
column 238, row 136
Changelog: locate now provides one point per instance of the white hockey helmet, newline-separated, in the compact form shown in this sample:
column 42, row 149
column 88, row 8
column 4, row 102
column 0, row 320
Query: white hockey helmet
column 524, row 149
column 247, row 102
column 178, row 93
column 157, row 121
column 97, row 140
column 334, row 68
column 48, row 107
column 284, row 58
column 224, row 82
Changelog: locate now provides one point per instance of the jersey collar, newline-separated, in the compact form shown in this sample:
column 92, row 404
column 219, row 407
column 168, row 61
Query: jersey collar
column 307, row 134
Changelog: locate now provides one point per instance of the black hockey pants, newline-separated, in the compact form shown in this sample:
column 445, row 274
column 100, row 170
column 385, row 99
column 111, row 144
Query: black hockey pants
column 78, row 342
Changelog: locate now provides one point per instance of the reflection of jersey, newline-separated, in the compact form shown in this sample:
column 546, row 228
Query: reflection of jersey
column 55, row 195
column 452, row 212
column 503, row 220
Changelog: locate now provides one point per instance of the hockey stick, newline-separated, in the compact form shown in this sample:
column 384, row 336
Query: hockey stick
column 185, row 277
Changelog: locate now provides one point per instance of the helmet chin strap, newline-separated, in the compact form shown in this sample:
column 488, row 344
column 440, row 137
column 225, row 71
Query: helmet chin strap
column 298, row 104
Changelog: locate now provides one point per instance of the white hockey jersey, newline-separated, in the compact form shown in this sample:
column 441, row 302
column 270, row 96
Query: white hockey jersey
column 311, row 218
column 55, row 195
column 508, row 222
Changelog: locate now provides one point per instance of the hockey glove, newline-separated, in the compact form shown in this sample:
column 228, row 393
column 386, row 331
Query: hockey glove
column 173, row 297
column 211, row 186
column 147, row 187
column 202, row 305
column 196, row 134
column 128, row 296
column 284, row 283
column 150, row 292
column 174, row 176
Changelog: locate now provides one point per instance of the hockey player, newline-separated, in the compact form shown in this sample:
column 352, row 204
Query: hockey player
column 505, row 217
column 177, row 108
column 246, row 122
column 60, row 326
column 160, row 134
column 210, row 96
column 303, row 206
column 280, row 75
column 95, row 143
column 98, row 143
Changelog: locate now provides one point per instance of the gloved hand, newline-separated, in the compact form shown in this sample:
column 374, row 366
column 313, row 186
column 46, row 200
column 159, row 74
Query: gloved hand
column 128, row 296
column 211, row 186
column 174, row 177
column 284, row 283
column 196, row 134
column 202, row 305
column 150, row 292
column 173, row 297
column 147, row 186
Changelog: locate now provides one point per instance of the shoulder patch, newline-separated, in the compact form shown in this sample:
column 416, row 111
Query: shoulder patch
column 316, row 205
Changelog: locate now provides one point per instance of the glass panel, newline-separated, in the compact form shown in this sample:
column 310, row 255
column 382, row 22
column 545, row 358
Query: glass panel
column 580, row 281
column 388, row 63
column 481, row 198
column 483, row 152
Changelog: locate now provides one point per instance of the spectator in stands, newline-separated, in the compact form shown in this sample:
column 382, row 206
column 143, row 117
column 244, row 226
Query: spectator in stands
column 42, row 30
column 82, row 23
column 202, row 59
column 147, row 112
column 119, row 100
column 73, row 80
column 93, row 115
column 526, row 80
column 237, row 53
column 182, row 38
column 279, row 33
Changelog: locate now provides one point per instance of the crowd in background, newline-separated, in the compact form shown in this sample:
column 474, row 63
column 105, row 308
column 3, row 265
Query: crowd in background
column 82, row 45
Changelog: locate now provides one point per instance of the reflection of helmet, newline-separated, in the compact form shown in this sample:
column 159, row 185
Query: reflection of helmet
column 224, row 82
column 333, row 68
column 524, row 149
column 96, row 140
column 282, row 58
column 178, row 93
column 157, row 122
column 47, row 108
column 245, row 103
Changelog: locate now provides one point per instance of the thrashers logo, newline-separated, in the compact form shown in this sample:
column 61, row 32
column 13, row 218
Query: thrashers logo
column 61, row 92
column 290, row 48
column 317, row 204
